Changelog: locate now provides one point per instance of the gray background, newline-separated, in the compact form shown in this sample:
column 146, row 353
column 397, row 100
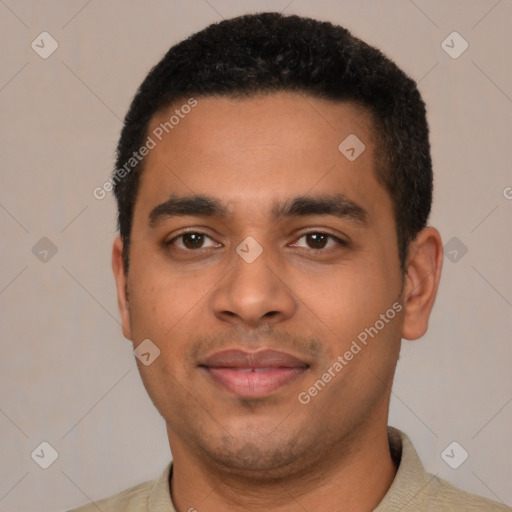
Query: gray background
column 68, row 376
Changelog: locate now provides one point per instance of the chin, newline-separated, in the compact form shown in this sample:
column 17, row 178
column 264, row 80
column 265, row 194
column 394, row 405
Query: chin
column 259, row 455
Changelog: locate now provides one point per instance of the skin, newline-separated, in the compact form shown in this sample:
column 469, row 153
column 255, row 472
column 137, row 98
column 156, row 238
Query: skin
column 272, row 453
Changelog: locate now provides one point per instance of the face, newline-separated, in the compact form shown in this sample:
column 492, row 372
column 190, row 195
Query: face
column 260, row 257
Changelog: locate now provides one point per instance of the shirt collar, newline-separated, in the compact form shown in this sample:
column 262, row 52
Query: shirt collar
column 159, row 499
column 407, row 491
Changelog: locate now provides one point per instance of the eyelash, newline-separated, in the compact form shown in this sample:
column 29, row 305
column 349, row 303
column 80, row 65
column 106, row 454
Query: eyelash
column 338, row 240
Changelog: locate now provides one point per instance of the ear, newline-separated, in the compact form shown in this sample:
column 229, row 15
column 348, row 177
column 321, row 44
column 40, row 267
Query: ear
column 423, row 271
column 121, row 286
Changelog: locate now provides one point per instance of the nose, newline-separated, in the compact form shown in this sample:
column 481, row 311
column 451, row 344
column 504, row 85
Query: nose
column 253, row 293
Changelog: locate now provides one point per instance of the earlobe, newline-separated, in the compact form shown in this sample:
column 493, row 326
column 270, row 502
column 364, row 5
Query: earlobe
column 423, row 271
column 121, row 286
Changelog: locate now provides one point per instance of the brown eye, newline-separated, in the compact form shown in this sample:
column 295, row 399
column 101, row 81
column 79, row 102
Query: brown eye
column 192, row 240
column 316, row 240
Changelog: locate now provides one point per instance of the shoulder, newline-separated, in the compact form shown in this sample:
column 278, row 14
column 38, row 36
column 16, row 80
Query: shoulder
column 147, row 496
column 134, row 499
column 414, row 489
column 448, row 497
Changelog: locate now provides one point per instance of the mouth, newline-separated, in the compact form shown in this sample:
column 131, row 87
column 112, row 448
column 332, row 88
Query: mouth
column 253, row 374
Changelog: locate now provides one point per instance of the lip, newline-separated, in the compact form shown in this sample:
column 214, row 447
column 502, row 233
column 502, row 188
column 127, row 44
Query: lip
column 253, row 374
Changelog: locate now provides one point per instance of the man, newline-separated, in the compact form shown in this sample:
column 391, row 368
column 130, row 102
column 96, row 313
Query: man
column 274, row 184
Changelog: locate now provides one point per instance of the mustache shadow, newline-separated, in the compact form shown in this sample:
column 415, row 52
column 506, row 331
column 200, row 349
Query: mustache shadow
column 268, row 338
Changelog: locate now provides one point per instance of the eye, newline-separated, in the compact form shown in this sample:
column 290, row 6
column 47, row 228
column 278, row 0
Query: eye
column 317, row 240
column 192, row 240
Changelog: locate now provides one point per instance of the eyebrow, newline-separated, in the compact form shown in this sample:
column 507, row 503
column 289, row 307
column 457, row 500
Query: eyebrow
column 337, row 205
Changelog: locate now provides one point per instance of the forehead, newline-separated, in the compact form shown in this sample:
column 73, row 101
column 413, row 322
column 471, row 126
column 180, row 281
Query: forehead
column 253, row 151
column 257, row 118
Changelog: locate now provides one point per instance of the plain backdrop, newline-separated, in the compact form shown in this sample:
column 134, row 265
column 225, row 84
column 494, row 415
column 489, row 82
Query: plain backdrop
column 67, row 375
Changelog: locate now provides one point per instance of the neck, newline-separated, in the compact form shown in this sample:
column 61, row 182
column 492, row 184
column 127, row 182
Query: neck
column 354, row 476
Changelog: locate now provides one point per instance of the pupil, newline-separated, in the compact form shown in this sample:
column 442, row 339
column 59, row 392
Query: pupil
column 317, row 239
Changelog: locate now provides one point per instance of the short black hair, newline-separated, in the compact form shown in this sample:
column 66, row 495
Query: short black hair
column 270, row 52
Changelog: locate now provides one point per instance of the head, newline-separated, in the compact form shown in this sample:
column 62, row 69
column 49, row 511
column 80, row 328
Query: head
column 243, row 125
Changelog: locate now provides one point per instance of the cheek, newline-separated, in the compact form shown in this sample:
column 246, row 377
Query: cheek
column 353, row 297
column 164, row 301
column 162, row 310
column 360, row 316
column 152, row 302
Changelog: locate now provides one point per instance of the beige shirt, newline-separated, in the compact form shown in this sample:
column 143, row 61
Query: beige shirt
column 412, row 490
